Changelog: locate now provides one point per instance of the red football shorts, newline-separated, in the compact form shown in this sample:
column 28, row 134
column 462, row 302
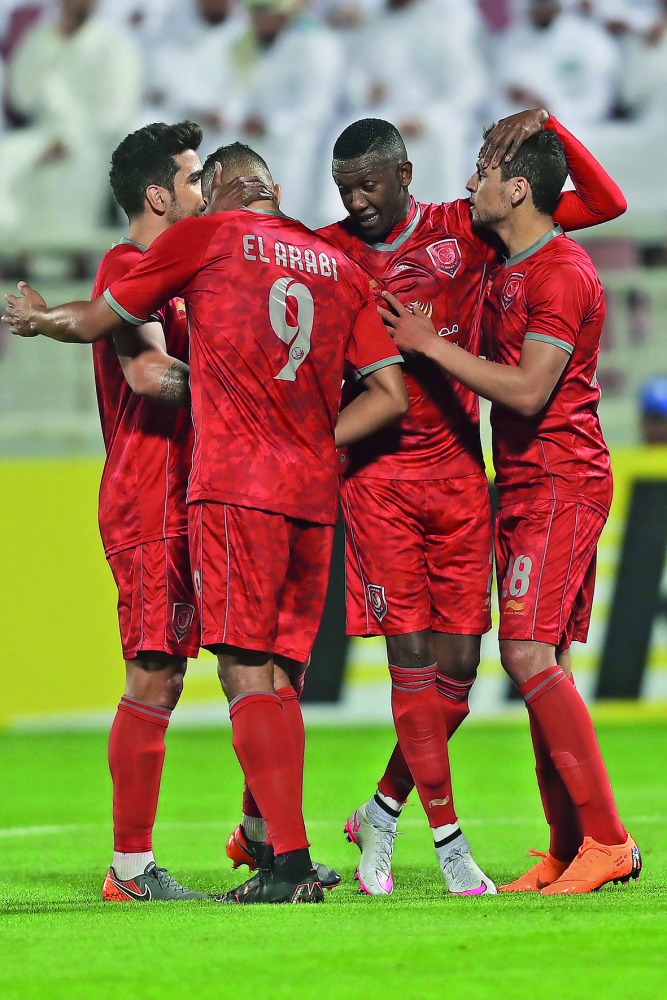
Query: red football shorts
column 261, row 578
column 418, row 555
column 156, row 601
column 545, row 561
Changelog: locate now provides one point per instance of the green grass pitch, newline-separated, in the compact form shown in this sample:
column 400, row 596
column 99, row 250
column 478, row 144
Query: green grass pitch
column 58, row 940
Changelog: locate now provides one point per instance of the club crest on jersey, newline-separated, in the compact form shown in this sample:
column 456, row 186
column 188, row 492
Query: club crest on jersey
column 511, row 288
column 182, row 616
column 446, row 256
column 377, row 600
column 425, row 307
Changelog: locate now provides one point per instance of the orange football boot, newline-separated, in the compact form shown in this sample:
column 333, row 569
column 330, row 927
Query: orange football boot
column 595, row 865
column 546, row 871
column 243, row 851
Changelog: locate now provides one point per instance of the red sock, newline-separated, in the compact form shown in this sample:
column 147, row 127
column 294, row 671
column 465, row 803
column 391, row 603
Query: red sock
column 561, row 814
column 265, row 749
column 289, row 696
column 249, row 806
column 423, row 738
column 299, row 683
column 567, row 728
column 136, row 756
column 397, row 782
column 292, row 712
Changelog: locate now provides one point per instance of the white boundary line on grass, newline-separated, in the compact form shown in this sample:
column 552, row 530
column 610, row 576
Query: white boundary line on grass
column 53, row 831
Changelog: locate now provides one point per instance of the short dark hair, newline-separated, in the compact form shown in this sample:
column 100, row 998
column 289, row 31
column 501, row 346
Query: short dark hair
column 146, row 157
column 541, row 160
column 369, row 135
column 235, row 158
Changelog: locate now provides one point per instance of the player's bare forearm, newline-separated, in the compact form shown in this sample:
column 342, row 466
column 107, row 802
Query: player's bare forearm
column 524, row 388
column 383, row 400
column 27, row 315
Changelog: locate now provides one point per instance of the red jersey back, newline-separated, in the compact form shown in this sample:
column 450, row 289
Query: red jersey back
column 274, row 317
column 551, row 293
column 148, row 446
column 439, row 262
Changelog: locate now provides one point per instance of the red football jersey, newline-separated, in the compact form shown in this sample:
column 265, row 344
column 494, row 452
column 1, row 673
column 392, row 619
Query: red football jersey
column 550, row 292
column 439, row 261
column 148, row 446
column 274, row 317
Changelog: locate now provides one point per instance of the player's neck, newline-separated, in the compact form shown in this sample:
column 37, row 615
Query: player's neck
column 268, row 206
column 518, row 234
column 146, row 229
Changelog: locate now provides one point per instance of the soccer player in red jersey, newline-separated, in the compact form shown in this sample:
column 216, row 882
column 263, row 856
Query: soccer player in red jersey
column 275, row 315
column 156, row 179
column 415, row 498
column 542, row 322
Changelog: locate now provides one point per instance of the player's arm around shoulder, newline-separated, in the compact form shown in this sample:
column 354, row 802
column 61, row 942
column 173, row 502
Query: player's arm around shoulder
column 27, row 315
column 148, row 369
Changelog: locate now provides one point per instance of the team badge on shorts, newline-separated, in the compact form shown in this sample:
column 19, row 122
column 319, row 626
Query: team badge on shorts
column 511, row 288
column 378, row 601
column 182, row 616
column 446, row 256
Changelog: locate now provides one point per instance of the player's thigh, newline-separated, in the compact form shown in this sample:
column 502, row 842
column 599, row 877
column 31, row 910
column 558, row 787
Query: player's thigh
column 156, row 600
column 386, row 584
column 544, row 551
column 459, row 554
column 240, row 558
column 304, row 593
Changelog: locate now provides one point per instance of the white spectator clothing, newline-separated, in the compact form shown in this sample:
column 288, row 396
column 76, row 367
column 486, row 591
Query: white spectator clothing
column 82, row 91
column 188, row 75
column 293, row 86
column 571, row 67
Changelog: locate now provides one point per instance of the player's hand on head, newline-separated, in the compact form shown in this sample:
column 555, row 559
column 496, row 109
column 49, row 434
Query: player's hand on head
column 411, row 328
column 235, row 193
column 505, row 138
column 20, row 310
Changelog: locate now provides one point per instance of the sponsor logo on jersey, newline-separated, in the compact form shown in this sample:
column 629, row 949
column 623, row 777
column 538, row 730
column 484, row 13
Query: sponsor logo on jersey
column 446, row 256
column 511, row 288
column 425, row 307
column 182, row 616
column 446, row 331
column 180, row 307
column 377, row 599
column 514, row 607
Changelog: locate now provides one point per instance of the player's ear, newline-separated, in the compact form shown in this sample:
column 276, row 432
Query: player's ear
column 277, row 192
column 155, row 196
column 518, row 191
column 405, row 174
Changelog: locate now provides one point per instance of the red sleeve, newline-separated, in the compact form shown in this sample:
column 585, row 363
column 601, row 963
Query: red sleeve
column 557, row 302
column 370, row 347
column 164, row 271
column 596, row 198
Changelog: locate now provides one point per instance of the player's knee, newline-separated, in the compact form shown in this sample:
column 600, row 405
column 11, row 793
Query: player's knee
column 410, row 651
column 461, row 665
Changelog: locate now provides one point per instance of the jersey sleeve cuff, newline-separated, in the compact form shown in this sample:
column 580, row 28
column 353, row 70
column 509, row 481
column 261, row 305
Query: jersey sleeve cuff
column 123, row 313
column 377, row 365
column 545, row 339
